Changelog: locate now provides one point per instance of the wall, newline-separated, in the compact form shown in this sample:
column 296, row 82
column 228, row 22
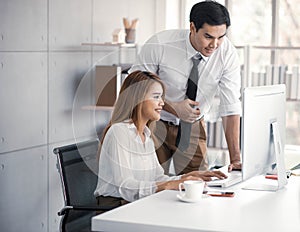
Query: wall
column 45, row 78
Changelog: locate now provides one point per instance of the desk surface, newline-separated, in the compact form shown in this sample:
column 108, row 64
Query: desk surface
column 248, row 210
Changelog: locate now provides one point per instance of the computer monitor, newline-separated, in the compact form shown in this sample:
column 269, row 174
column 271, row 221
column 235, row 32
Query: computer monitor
column 263, row 134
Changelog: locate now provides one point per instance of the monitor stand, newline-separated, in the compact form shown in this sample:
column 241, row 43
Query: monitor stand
column 281, row 172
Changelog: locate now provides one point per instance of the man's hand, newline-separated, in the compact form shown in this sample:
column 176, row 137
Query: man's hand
column 231, row 125
column 187, row 110
column 235, row 166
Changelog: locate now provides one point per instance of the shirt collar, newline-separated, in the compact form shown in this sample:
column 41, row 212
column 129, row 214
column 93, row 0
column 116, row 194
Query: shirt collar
column 191, row 52
column 132, row 126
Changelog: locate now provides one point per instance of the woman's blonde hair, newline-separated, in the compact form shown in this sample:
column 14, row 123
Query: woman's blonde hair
column 132, row 94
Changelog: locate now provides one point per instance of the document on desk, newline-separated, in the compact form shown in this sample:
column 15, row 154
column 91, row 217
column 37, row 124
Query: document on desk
column 234, row 177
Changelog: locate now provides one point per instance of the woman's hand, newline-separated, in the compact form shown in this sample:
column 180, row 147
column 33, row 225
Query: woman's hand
column 174, row 184
column 194, row 175
column 205, row 175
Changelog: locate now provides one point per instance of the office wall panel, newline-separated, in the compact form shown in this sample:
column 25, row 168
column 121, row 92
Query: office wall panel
column 19, row 28
column 110, row 17
column 69, row 24
column 144, row 10
column 23, row 100
column 24, row 190
column 107, row 18
column 69, row 90
column 104, row 24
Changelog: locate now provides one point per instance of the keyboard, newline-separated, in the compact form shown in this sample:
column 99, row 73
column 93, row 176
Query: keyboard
column 234, row 177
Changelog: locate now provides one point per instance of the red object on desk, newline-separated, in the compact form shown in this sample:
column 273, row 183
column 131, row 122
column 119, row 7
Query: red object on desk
column 272, row 177
column 220, row 194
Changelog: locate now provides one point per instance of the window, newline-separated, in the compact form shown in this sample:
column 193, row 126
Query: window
column 270, row 30
column 289, row 23
column 250, row 22
column 266, row 24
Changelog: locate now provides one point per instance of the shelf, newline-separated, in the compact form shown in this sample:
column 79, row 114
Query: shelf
column 122, row 45
column 94, row 108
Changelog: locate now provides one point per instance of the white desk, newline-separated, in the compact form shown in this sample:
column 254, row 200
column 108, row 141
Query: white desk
column 248, row 210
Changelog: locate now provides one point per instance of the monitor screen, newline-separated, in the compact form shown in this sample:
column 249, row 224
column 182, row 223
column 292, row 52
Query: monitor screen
column 262, row 106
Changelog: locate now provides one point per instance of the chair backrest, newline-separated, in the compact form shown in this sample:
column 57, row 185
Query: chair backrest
column 78, row 167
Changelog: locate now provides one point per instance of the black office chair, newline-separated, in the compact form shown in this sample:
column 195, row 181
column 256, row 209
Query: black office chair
column 77, row 165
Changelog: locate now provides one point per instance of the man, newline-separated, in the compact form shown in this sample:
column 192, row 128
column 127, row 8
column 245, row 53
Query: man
column 205, row 51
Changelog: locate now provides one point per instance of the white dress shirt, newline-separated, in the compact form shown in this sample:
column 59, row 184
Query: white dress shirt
column 168, row 54
column 128, row 168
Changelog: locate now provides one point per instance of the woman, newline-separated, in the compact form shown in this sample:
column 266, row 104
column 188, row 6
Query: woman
column 128, row 165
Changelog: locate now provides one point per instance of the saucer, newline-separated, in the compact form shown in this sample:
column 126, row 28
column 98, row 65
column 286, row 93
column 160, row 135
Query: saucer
column 184, row 199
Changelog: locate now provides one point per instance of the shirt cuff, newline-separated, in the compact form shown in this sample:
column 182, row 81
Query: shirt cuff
column 147, row 189
column 233, row 109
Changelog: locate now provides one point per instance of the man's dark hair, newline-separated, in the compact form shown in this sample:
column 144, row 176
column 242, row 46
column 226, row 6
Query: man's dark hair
column 210, row 12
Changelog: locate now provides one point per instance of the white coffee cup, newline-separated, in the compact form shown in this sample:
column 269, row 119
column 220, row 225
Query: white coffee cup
column 193, row 189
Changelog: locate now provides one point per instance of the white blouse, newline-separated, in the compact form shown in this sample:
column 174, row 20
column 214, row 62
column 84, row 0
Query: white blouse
column 128, row 168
